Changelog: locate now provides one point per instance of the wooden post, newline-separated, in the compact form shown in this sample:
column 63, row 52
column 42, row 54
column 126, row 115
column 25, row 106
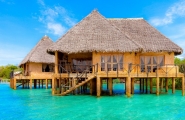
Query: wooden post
column 91, row 87
column 46, row 83
column 128, row 84
column 60, row 86
column 166, row 84
column 157, row 86
column 42, row 83
column 35, row 83
column 22, row 83
column 143, row 85
column 53, row 86
column 173, row 85
column 140, row 84
column 30, row 83
column 14, row 83
column 56, row 62
column 182, row 86
column 110, row 86
column 146, row 85
column 151, row 86
column 132, row 82
column 98, row 84
column 161, row 84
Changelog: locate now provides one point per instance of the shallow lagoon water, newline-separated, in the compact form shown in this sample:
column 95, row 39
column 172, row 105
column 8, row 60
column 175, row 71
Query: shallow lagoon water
column 39, row 104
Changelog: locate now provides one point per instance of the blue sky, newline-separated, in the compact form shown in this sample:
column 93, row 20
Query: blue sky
column 24, row 22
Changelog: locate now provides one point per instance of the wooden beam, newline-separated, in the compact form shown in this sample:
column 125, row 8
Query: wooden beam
column 14, row 84
column 173, row 85
column 132, row 87
column 56, row 62
column 53, row 86
column 182, row 86
column 30, row 83
column 157, row 86
column 98, row 84
column 151, row 86
column 110, row 86
column 46, row 83
column 166, row 84
column 128, row 86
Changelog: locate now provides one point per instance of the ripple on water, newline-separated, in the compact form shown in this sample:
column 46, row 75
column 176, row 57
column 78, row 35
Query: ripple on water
column 40, row 104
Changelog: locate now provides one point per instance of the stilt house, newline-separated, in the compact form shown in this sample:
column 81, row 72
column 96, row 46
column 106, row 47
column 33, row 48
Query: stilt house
column 99, row 48
column 38, row 66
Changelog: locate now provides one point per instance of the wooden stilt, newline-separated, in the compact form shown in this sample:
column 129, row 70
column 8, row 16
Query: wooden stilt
column 30, row 83
column 125, row 86
column 35, row 83
column 182, row 86
column 143, row 85
column 22, row 83
column 157, row 86
column 146, row 80
column 46, row 83
column 151, row 86
column 173, row 85
column 39, row 83
column 53, row 86
column 128, row 84
column 110, row 86
column 91, row 87
column 132, row 87
column 59, row 91
column 42, row 83
column 14, row 83
column 140, row 84
column 98, row 84
column 162, row 84
column 166, row 84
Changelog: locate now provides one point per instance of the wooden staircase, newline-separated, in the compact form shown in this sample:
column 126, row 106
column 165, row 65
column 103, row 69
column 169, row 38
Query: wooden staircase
column 77, row 85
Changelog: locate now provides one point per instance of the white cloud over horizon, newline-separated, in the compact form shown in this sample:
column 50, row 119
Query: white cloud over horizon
column 56, row 19
column 173, row 12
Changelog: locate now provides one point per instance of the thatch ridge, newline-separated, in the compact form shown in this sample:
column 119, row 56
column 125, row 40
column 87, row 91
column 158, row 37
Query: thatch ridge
column 39, row 53
column 97, row 33
column 150, row 38
column 94, row 33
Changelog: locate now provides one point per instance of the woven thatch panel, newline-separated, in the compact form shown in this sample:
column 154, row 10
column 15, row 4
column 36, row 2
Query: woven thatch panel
column 39, row 53
column 94, row 33
column 146, row 35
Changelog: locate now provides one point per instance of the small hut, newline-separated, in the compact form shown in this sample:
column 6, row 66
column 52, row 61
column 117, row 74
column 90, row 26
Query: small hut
column 37, row 65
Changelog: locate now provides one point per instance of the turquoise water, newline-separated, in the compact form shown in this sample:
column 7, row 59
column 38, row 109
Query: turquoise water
column 39, row 104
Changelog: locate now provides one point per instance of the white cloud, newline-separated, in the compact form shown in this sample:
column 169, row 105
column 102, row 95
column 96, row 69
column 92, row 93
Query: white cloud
column 176, row 10
column 56, row 28
column 56, row 19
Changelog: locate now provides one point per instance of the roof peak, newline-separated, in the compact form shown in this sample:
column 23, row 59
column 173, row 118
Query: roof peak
column 124, row 18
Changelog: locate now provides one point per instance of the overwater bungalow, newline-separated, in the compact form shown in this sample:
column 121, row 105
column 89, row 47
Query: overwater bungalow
column 99, row 48
column 38, row 67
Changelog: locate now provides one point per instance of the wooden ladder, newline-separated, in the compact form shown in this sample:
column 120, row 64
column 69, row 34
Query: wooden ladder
column 78, row 85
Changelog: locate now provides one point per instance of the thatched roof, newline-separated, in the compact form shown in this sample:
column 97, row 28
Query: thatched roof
column 146, row 35
column 96, row 33
column 39, row 53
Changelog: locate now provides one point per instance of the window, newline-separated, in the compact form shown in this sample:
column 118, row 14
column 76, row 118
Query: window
column 111, row 62
column 149, row 63
column 47, row 67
